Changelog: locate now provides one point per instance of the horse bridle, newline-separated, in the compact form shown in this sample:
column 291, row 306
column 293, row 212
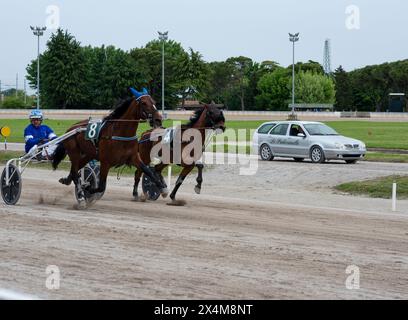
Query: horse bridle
column 210, row 121
column 148, row 115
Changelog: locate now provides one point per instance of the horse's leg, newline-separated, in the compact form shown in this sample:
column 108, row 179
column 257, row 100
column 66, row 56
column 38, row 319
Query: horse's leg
column 68, row 180
column 138, row 175
column 138, row 163
column 184, row 173
column 103, row 176
column 199, row 180
column 158, row 170
column 74, row 175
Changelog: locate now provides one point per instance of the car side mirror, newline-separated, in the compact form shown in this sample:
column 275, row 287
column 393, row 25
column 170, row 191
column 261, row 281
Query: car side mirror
column 302, row 135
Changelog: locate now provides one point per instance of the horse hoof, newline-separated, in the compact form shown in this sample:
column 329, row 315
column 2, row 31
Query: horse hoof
column 177, row 203
column 197, row 190
column 64, row 181
column 164, row 193
column 143, row 198
column 97, row 196
column 81, row 204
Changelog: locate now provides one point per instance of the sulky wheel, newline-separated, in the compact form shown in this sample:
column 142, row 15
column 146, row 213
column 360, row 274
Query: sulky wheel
column 89, row 178
column 11, row 193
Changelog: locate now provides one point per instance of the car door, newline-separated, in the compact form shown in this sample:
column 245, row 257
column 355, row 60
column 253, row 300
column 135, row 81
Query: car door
column 278, row 139
column 297, row 146
column 262, row 134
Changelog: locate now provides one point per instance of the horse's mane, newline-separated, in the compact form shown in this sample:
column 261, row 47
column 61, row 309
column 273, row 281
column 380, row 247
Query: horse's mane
column 194, row 118
column 119, row 110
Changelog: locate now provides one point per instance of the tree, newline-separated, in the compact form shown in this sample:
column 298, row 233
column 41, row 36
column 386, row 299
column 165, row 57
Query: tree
column 344, row 93
column 240, row 77
column 63, row 72
column 219, row 82
column 149, row 58
column 196, row 74
column 110, row 72
column 314, row 88
column 274, row 91
column 312, row 66
column 371, row 86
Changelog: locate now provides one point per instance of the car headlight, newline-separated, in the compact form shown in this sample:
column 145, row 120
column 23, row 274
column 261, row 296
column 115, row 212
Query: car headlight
column 363, row 146
column 340, row 146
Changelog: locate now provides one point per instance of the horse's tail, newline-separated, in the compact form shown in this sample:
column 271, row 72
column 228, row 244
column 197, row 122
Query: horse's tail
column 59, row 155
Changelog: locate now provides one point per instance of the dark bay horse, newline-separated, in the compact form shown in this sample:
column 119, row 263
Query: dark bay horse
column 117, row 144
column 208, row 117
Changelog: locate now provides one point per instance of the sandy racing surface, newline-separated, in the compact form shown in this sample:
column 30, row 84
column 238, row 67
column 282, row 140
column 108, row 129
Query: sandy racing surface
column 243, row 238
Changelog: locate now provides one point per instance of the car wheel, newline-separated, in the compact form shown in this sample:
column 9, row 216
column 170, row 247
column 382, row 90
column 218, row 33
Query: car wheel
column 266, row 153
column 351, row 161
column 299, row 159
column 317, row 155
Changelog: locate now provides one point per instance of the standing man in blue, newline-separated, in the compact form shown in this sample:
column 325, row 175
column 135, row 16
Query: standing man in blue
column 36, row 134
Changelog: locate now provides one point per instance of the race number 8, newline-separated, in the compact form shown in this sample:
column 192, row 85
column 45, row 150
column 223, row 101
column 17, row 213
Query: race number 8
column 92, row 130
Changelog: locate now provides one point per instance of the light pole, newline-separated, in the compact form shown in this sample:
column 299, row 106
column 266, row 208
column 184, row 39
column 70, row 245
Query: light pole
column 38, row 32
column 293, row 38
column 163, row 36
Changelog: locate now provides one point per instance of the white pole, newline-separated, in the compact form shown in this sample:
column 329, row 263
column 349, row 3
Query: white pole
column 169, row 177
column 394, row 197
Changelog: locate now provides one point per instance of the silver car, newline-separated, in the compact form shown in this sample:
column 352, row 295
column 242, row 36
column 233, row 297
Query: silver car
column 302, row 140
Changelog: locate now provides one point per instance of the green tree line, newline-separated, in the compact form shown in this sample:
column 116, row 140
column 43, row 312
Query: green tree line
column 75, row 76
column 368, row 88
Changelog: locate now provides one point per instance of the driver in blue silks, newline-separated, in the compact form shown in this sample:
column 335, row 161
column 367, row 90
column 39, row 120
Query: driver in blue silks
column 37, row 134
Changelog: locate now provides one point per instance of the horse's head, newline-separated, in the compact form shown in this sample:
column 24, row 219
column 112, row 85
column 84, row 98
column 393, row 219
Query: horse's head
column 148, row 108
column 214, row 118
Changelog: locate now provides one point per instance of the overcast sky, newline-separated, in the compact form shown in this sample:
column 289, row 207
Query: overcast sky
column 218, row 29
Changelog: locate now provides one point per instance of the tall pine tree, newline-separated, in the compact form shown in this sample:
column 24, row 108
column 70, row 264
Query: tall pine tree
column 63, row 73
column 344, row 94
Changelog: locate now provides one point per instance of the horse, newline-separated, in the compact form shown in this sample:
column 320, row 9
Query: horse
column 116, row 145
column 205, row 118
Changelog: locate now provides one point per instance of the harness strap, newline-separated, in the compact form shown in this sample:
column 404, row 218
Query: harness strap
column 124, row 138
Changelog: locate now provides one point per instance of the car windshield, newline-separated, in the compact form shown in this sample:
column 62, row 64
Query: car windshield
column 317, row 129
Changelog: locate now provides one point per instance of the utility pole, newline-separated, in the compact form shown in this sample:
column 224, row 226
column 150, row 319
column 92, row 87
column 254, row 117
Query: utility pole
column 25, row 91
column 16, row 85
column 38, row 32
column 293, row 38
column 163, row 36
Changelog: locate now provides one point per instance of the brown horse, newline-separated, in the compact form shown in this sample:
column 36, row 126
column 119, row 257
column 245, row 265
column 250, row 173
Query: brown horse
column 206, row 118
column 117, row 144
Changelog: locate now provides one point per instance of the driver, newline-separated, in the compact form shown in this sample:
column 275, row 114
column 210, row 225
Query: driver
column 37, row 134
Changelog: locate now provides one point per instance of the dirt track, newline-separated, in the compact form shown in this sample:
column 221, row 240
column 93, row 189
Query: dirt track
column 218, row 246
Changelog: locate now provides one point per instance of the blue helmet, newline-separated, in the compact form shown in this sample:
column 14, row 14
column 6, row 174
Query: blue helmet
column 36, row 114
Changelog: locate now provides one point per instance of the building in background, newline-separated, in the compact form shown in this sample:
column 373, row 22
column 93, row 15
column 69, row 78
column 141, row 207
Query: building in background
column 397, row 102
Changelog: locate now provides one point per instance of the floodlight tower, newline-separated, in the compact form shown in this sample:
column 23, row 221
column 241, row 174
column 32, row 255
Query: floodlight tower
column 327, row 58
column 38, row 32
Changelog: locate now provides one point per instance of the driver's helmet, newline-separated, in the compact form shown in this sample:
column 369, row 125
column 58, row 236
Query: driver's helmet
column 36, row 114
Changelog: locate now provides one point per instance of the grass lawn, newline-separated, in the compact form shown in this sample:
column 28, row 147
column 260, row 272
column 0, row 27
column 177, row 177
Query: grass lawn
column 17, row 127
column 388, row 135
column 377, row 188
column 386, row 157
